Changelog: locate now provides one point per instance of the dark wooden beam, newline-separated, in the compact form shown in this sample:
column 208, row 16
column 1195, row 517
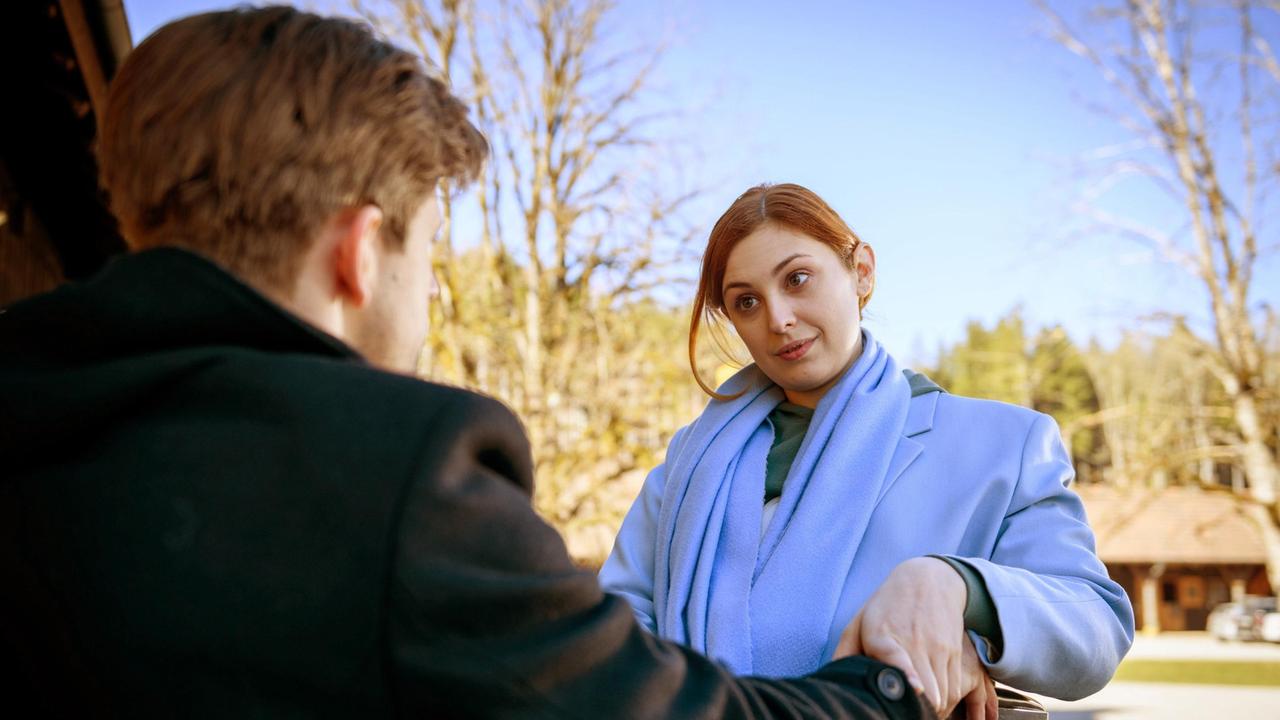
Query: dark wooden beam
column 59, row 57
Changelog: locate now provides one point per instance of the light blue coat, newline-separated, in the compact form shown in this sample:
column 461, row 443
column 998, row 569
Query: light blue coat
column 978, row 480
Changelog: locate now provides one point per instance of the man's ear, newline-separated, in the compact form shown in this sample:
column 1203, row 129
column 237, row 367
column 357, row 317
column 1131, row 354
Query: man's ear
column 355, row 256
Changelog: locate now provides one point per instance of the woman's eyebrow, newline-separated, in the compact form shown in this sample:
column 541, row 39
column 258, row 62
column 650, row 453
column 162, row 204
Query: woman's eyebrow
column 776, row 269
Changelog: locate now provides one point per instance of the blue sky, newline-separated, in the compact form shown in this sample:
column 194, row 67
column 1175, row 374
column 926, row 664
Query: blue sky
column 948, row 138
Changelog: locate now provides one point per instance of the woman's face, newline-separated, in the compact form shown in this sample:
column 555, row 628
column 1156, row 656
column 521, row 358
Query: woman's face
column 794, row 303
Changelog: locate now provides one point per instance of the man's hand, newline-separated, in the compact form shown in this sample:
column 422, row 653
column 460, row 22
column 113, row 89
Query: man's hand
column 915, row 620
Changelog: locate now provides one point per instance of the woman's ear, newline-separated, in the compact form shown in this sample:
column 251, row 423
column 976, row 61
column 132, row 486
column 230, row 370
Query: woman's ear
column 355, row 256
column 864, row 266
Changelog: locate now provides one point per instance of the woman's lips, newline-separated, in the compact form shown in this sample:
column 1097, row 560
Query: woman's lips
column 795, row 350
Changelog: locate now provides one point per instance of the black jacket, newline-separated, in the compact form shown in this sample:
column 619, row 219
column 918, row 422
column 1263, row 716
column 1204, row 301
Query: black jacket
column 210, row 508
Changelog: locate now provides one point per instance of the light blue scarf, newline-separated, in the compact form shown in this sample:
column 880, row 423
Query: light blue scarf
column 766, row 606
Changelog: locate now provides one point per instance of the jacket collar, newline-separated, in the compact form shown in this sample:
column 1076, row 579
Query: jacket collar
column 169, row 298
column 924, row 402
column 920, row 409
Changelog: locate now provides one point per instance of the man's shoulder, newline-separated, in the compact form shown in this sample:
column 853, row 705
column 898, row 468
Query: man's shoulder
column 339, row 382
column 345, row 407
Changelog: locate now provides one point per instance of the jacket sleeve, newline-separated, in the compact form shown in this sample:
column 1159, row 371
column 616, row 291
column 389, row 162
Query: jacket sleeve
column 488, row 617
column 1066, row 625
column 629, row 569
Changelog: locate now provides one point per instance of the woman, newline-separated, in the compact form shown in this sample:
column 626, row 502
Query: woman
column 824, row 490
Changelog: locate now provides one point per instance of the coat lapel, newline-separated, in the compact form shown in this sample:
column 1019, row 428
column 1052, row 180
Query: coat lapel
column 919, row 421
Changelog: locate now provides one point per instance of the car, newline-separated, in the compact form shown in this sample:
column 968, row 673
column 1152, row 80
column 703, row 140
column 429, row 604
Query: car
column 1271, row 627
column 1241, row 620
column 1251, row 621
column 1222, row 621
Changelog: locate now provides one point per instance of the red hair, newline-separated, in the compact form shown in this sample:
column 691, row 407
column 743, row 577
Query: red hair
column 788, row 205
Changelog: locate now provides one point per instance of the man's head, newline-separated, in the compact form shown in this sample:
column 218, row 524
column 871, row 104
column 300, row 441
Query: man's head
column 301, row 153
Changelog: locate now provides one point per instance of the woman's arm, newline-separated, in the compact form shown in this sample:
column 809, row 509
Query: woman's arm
column 628, row 571
column 1065, row 624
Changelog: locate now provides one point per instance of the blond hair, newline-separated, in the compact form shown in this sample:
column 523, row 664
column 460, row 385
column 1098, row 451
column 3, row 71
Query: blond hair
column 240, row 133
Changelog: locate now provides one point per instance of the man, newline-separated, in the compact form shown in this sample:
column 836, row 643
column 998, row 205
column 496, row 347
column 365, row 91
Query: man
column 218, row 497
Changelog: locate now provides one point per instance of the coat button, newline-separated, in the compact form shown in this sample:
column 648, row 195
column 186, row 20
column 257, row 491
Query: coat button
column 890, row 684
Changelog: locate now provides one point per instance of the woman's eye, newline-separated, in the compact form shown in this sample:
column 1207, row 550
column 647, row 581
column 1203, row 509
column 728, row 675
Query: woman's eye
column 798, row 278
column 746, row 302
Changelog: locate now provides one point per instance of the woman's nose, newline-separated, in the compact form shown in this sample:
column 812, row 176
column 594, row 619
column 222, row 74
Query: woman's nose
column 781, row 318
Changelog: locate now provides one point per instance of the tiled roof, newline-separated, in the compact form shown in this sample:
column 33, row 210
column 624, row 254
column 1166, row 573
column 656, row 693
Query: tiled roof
column 1174, row 525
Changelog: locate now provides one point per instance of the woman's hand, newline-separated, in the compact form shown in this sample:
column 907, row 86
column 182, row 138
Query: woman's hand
column 915, row 620
column 981, row 702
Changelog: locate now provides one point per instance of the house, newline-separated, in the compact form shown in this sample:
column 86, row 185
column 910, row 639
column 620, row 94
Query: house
column 1177, row 551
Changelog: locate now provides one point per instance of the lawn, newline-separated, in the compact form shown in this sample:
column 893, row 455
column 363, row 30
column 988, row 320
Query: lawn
column 1206, row 672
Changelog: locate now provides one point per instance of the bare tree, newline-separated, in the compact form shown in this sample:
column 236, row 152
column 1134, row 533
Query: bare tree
column 548, row 304
column 1197, row 108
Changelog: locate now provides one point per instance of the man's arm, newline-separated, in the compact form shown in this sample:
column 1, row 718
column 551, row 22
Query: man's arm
column 489, row 617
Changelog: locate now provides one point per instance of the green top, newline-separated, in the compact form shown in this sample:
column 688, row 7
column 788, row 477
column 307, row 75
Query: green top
column 790, row 422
